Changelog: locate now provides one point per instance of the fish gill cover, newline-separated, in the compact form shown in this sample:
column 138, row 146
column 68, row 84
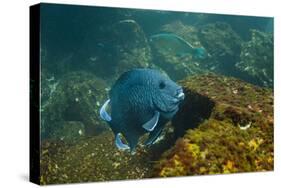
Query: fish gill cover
column 222, row 66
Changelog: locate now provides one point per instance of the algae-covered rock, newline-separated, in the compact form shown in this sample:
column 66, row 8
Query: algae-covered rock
column 96, row 159
column 123, row 47
column 133, row 48
column 257, row 59
column 223, row 126
column 223, row 44
column 48, row 86
column 232, row 131
column 72, row 108
column 90, row 159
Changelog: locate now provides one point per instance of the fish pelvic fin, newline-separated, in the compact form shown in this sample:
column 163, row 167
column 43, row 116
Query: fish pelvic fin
column 103, row 113
column 151, row 124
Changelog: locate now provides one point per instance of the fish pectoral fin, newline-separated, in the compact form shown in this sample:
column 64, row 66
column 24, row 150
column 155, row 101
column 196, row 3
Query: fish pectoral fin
column 151, row 124
column 119, row 144
column 103, row 113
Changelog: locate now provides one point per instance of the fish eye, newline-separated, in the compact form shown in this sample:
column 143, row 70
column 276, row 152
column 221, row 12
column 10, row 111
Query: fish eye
column 162, row 85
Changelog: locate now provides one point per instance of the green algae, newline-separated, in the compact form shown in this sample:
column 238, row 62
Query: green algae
column 90, row 159
column 96, row 158
column 236, row 137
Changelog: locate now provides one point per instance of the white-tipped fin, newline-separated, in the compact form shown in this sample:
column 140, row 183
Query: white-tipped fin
column 151, row 124
column 119, row 144
column 103, row 114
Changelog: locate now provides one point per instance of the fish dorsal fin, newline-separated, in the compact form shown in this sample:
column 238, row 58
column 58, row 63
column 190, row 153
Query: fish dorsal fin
column 151, row 124
column 119, row 144
column 103, row 114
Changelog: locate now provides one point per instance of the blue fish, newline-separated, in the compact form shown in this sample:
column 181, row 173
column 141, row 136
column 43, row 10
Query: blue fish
column 174, row 44
column 141, row 101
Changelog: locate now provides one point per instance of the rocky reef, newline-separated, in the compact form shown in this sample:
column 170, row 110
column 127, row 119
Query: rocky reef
column 226, row 127
column 96, row 158
column 224, row 46
column 72, row 105
column 90, row 159
column 256, row 59
column 122, row 47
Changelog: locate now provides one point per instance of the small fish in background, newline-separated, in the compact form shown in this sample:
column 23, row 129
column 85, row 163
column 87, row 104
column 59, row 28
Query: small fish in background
column 141, row 101
column 174, row 44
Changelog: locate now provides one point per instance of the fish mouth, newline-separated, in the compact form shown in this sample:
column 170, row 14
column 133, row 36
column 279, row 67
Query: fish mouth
column 172, row 103
column 176, row 100
column 179, row 96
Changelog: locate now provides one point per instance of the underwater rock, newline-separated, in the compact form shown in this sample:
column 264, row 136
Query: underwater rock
column 224, row 46
column 133, row 49
column 178, row 67
column 226, row 126
column 124, row 48
column 73, row 107
column 48, row 86
column 95, row 159
column 257, row 59
column 90, row 159
column 232, row 131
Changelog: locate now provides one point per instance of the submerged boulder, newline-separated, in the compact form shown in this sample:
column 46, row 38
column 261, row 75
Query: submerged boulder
column 224, row 46
column 133, row 48
column 72, row 109
column 225, row 125
column 256, row 59
column 124, row 46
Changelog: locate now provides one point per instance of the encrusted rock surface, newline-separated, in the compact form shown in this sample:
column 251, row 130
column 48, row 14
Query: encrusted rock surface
column 227, row 127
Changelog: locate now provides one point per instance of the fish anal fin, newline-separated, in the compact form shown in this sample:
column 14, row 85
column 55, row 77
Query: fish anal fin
column 119, row 144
